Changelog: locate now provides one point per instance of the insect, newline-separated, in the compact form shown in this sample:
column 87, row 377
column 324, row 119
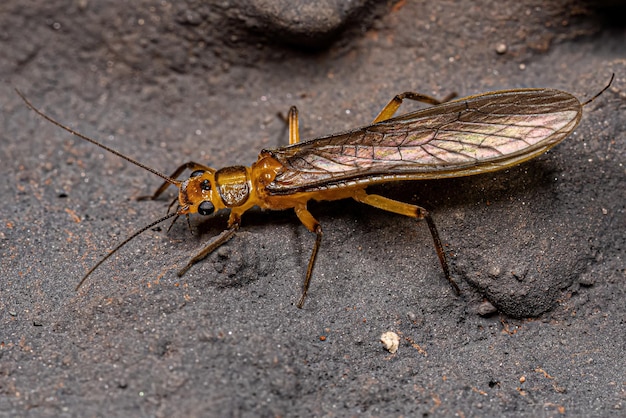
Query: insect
column 471, row 135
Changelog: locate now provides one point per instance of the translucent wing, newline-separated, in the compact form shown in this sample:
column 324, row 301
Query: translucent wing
column 468, row 136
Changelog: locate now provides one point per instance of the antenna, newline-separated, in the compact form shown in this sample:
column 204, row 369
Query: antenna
column 601, row 91
column 93, row 141
column 120, row 245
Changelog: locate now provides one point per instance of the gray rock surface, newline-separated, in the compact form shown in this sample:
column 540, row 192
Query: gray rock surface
column 169, row 82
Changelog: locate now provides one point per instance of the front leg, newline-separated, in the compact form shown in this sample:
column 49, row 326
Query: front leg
column 193, row 166
column 233, row 225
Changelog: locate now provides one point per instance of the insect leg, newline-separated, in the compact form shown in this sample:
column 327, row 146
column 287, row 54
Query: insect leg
column 312, row 225
column 390, row 109
column 413, row 211
column 233, row 225
column 188, row 165
column 292, row 122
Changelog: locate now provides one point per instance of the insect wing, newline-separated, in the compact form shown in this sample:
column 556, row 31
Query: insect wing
column 468, row 136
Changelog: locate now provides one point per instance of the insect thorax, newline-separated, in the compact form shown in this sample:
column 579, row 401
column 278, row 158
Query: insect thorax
column 233, row 185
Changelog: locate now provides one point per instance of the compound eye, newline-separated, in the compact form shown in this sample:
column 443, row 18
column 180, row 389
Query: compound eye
column 205, row 185
column 206, row 208
column 197, row 173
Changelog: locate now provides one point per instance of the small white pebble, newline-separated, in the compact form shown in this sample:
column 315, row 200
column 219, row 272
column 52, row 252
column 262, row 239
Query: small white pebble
column 391, row 341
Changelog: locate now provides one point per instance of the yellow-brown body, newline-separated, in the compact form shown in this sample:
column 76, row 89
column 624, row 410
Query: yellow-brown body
column 473, row 135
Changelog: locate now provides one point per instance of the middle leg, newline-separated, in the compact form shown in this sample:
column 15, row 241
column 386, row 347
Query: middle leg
column 312, row 225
